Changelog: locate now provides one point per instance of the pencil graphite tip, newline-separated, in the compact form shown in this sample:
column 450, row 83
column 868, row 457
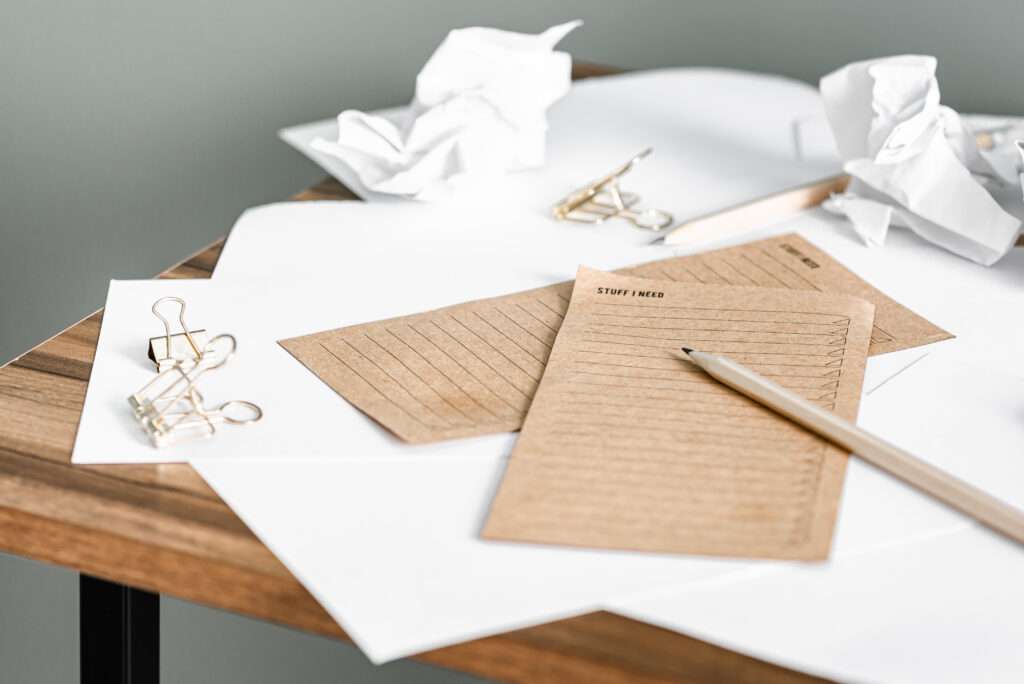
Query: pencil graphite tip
column 686, row 350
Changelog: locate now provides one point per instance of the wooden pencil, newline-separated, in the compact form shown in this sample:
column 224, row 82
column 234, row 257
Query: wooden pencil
column 763, row 211
column 927, row 478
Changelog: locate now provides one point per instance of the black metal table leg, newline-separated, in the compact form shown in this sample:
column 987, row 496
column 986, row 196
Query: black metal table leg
column 119, row 633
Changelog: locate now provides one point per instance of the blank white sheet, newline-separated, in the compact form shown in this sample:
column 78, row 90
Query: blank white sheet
column 400, row 508
column 963, row 417
column 720, row 137
column 877, row 512
column 402, row 567
column 389, row 547
column 948, row 609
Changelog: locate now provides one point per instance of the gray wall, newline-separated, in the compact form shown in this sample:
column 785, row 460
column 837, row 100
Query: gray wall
column 132, row 133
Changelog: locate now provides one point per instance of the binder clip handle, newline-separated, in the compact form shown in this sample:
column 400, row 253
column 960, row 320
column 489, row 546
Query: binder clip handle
column 218, row 351
column 181, row 319
column 239, row 412
column 648, row 219
column 603, row 199
column 171, row 348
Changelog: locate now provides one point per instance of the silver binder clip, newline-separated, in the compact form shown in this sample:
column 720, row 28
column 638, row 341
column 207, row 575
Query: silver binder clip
column 171, row 409
column 603, row 199
column 168, row 349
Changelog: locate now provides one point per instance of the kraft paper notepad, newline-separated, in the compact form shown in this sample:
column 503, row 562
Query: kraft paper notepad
column 629, row 446
column 471, row 369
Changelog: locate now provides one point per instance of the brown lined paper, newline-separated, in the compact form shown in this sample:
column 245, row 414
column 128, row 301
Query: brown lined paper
column 628, row 446
column 789, row 261
column 472, row 368
column 460, row 371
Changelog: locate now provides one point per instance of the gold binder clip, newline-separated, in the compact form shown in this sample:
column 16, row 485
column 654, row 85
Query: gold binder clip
column 170, row 408
column 603, row 199
column 169, row 349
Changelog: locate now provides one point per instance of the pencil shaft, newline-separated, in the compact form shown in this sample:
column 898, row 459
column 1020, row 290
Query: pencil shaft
column 763, row 211
column 941, row 485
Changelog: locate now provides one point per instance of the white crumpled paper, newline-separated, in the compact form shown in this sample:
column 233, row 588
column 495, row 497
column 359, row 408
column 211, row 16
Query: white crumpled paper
column 478, row 112
column 916, row 163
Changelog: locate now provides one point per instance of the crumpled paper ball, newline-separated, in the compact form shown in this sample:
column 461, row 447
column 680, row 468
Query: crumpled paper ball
column 916, row 163
column 479, row 111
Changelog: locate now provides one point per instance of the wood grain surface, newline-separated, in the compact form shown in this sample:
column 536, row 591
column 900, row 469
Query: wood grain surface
column 160, row 528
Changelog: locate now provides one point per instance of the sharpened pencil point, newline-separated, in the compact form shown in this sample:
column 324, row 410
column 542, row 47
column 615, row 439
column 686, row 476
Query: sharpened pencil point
column 686, row 350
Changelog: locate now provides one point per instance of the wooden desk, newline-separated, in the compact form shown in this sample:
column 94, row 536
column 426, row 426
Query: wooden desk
column 137, row 531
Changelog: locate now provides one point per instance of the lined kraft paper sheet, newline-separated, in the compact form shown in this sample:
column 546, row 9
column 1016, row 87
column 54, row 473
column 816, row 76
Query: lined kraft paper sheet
column 629, row 446
column 471, row 369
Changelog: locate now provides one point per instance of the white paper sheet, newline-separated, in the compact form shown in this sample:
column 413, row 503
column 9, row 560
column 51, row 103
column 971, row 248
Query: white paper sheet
column 396, row 508
column 710, row 152
column 964, row 418
column 259, row 372
column 353, row 241
column 877, row 512
column 944, row 610
column 951, row 412
column 394, row 557
column 401, row 567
